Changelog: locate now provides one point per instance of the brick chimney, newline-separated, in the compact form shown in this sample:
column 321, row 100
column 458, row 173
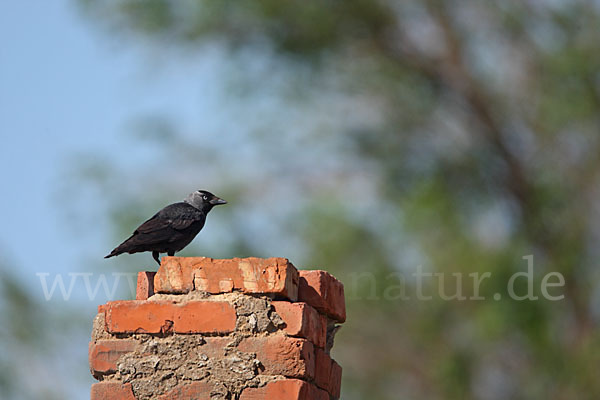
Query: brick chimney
column 247, row 329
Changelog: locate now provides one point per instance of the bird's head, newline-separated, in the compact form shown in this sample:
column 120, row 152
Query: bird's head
column 203, row 200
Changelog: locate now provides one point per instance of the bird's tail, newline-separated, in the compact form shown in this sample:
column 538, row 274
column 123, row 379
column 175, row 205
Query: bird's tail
column 113, row 253
column 128, row 246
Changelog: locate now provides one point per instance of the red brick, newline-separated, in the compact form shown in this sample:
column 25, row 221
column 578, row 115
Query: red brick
column 145, row 285
column 282, row 355
column 322, row 369
column 273, row 276
column 322, row 291
column 287, row 389
column 200, row 316
column 112, row 391
column 189, row 391
column 104, row 354
column 302, row 320
column 335, row 380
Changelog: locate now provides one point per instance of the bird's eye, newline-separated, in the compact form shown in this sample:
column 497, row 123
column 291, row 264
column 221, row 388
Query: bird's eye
column 205, row 197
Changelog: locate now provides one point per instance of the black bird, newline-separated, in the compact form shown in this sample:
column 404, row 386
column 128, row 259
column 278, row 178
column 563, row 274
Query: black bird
column 172, row 228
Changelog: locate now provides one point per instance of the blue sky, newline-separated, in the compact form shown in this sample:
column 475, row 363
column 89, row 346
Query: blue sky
column 68, row 89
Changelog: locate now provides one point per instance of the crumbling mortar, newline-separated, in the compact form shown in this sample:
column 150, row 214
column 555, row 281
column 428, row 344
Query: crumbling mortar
column 164, row 360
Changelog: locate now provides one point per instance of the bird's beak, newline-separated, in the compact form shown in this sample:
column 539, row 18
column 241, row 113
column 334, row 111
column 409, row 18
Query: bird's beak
column 217, row 201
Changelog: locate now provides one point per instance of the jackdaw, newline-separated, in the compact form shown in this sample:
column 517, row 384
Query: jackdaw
column 172, row 228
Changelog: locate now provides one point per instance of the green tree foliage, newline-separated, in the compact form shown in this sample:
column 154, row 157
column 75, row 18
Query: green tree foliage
column 29, row 340
column 459, row 135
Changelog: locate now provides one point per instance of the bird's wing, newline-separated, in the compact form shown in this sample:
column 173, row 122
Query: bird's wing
column 175, row 216
column 152, row 225
column 183, row 221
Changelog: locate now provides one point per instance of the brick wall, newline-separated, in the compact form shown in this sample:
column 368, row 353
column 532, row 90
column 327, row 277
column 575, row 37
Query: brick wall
column 248, row 329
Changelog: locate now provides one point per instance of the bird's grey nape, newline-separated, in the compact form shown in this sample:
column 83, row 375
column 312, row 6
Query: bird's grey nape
column 194, row 199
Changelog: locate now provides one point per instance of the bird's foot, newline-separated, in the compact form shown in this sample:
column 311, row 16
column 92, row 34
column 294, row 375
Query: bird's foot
column 155, row 256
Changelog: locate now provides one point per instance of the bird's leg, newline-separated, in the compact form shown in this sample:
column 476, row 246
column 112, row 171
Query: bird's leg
column 155, row 255
column 171, row 253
